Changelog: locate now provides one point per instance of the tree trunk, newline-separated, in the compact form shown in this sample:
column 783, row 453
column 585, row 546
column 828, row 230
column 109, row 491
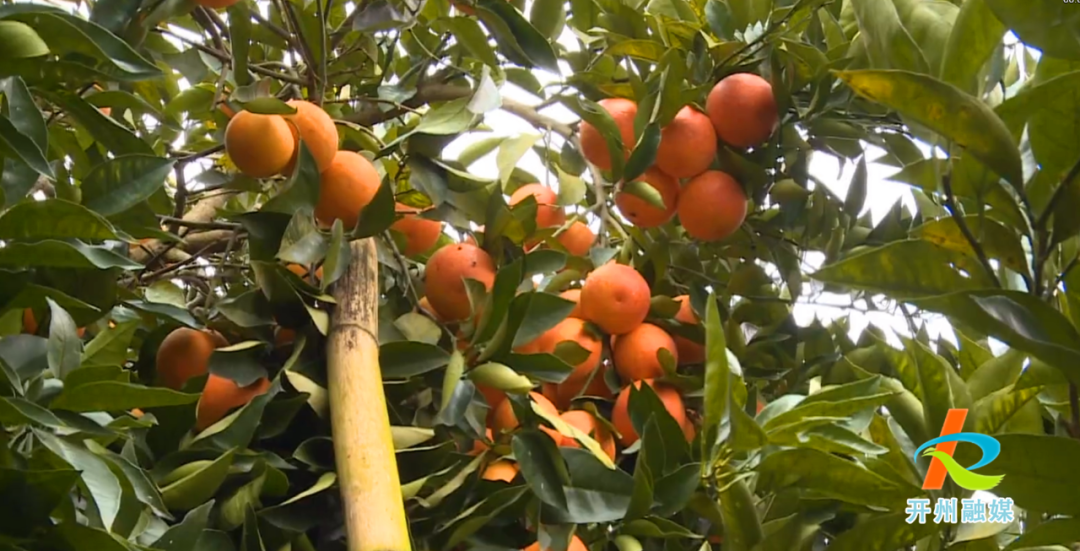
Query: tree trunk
column 363, row 444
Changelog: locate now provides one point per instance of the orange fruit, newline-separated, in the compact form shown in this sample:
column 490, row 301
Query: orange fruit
column 301, row 271
column 216, row 4
column 616, row 298
column 185, row 353
column 639, row 211
column 317, row 129
column 345, row 188
column 107, row 111
column 29, row 323
column 137, row 413
column 575, row 385
column 577, row 238
column 425, row 305
column 548, row 212
column 505, row 420
column 687, row 144
column 259, row 145
column 743, row 110
column 421, row 234
column 712, row 206
column 635, row 353
column 221, row 395
column 585, row 422
column 575, row 296
column 503, row 470
column 479, row 446
column 689, row 430
column 569, row 329
column 284, row 337
column 690, row 352
column 551, row 392
column 575, row 545
column 593, row 146
column 493, row 396
column 620, row 414
column 444, row 278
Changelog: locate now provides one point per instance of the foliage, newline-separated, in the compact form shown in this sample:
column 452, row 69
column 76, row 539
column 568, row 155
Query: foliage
column 123, row 217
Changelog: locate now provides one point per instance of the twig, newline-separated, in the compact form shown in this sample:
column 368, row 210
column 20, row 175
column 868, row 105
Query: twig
column 174, row 267
column 403, row 262
column 180, row 196
column 1044, row 217
column 341, row 32
column 198, row 225
column 288, row 15
column 218, row 22
column 1074, row 409
column 187, row 158
column 274, row 28
column 950, row 205
column 222, row 56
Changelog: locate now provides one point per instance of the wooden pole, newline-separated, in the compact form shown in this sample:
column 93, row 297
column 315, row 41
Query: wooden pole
column 363, row 444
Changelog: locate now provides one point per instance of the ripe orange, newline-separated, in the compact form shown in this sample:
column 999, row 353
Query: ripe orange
column 216, row 4
column 585, row 422
column 259, row 145
column 569, row 329
column 29, row 323
column 421, row 234
column 317, row 129
column 593, row 146
column 620, row 414
column 577, row 238
column 503, row 470
column 221, row 395
column 690, row 352
column 575, row 385
column 185, row 353
column 575, row 545
column 345, row 188
column 616, row 298
column 689, row 430
column 573, row 295
column 743, row 110
column 712, row 206
column 493, row 396
column 687, row 144
column 635, row 353
column 284, row 337
column 425, row 305
column 548, row 212
column 505, row 420
column 444, row 278
column 639, row 211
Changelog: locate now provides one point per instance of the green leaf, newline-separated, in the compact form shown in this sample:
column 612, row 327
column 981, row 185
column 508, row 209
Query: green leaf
column 14, row 144
column 887, row 42
column 543, row 467
column 1058, row 531
column 890, row 531
column 1037, row 469
column 856, row 194
column 63, row 254
column 468, row 33
column 592, row 113
column 70, row 34
column 184, row 536
column 118, row 396
column 646, row 192
column 531, row 314
column 301, row 194
column 522, row 34
column 998, row 242
column 240, row 40
column 53, row 219
column 103, row 486
column 718, row 385
column 268, row 106
column 240, row 362
column 549, row 17
column 451, row 117
column 404, row 359
column 19, row 41
column 378, row 215
column 1048, row 26
column 65, row 346
column 909, row 268
column 25, row 114
column 114, row 136
column 511, row 150
column 195, row 489
column 644, row 155
column 71, row 535
column 1034, row 98
column 1017, row 319
column 945, row 109
column 831, row 477
column 738, row 510
column 975, row 35
column 123, row 182
column 32, row 496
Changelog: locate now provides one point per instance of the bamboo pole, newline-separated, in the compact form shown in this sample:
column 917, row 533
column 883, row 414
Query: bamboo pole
column 363, row 444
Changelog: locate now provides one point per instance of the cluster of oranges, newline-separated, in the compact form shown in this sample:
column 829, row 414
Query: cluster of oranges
column 263, row 146
column 741, row 111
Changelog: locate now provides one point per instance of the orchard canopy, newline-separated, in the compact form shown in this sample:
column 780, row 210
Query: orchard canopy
column 443, row 275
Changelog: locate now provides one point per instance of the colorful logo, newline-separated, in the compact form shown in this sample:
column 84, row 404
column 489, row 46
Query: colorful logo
column 941, row 449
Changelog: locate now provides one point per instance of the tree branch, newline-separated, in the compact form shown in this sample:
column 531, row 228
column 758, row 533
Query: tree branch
column 950, row 205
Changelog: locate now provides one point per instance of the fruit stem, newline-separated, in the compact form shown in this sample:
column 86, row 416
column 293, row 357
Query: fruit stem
column 363, row 444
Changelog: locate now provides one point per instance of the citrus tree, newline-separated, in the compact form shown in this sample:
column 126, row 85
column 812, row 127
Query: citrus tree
column 250, row 302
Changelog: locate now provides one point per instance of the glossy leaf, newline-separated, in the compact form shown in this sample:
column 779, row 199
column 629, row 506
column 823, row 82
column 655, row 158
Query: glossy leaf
column 123, row 182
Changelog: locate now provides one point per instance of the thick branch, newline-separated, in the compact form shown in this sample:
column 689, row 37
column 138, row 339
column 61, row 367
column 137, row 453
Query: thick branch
column 201, row 213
